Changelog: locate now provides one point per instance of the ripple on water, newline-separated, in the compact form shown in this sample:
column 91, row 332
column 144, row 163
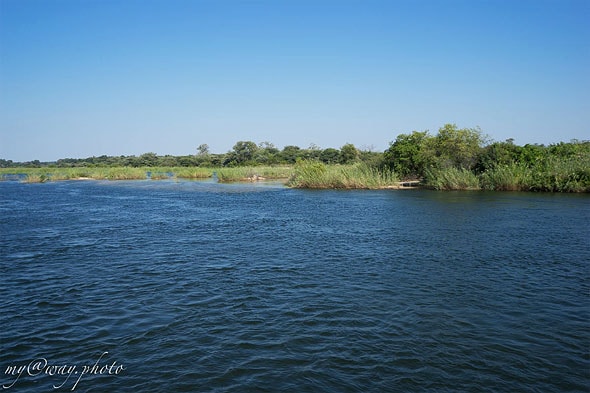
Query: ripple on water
column 227, row 288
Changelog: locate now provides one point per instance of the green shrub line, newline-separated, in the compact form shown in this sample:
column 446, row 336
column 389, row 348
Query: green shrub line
column 554, row 175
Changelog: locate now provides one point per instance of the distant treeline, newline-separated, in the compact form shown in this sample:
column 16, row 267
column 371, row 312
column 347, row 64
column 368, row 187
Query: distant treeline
column 244, row 153
column 454, row 158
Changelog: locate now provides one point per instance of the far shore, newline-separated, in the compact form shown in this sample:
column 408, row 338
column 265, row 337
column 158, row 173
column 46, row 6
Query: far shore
column 304, row 175
column 285, row 174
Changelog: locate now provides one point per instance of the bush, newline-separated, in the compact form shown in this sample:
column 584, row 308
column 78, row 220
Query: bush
column 451, row 179
column 562, row 175
column 508, row 177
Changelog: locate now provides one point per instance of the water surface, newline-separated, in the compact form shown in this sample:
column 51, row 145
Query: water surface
column 199, row 286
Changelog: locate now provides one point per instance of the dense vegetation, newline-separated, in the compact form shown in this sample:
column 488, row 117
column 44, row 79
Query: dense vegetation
column 452, row 159
column 463, row 159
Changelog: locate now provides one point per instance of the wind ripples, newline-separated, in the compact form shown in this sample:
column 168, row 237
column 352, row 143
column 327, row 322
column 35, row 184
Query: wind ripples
column 201, row 287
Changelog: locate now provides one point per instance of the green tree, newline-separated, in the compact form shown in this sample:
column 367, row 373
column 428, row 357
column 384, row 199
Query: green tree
column 405, row 157
column 373, row 159
column 348, row 154
column 289, row 154
column 454, row 147
column 497, row 153
column 313, row 152
column 6, row 163
column 242, row 154
column 266, row 154
column 532, row 154
column 188, row 161
column 330, row 156
column 203, row 150
column 168, row 160
column 148, row 159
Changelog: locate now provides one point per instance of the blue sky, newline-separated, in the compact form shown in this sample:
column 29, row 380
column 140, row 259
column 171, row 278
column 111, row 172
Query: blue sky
column 91, row 77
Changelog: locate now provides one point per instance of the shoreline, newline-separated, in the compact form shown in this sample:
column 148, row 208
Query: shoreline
column 48, row 177
column 402, row 185
column 336, row 177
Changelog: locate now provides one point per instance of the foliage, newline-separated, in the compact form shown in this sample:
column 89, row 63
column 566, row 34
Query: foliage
column 316, row 174
column 509, row 176
column 413, row 155
column 330, row 156
column 569, row 174
column 267, row 154
column 242, row 154
column 451, row 178
column 404, row 155
column 497, row 153
column 348, row 154
column 452, row 147
column 203, row 150
column 109, row 173
column 308, row 174
column 454, row 158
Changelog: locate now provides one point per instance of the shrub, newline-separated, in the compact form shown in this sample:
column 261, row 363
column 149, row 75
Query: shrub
column 451, row 179
column 508, row 177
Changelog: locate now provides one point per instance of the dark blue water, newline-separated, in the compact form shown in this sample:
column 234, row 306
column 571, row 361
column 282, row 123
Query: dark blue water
column 166, row 286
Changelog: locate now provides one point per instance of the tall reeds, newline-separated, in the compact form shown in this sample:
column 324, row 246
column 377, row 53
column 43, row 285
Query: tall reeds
column 451, row 179
column 37, row 175
column 253, row 173
column 314, row 174
column 508, row 177
column 549, row 175
column 563, row 175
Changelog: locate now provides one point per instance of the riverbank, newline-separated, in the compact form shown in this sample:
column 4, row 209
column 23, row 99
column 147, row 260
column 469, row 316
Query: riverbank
column 311, row 174
column 41, row 175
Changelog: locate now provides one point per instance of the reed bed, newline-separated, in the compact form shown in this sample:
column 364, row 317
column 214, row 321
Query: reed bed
column 316, row 175
column 552, row 175
column 39, row 175
column 452, row 179
column 253, row 173
column 192, row 172
column 563, row 175
column 509, row 177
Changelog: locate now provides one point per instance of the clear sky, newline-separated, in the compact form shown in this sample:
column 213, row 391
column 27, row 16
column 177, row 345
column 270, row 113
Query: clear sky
column 82, row 78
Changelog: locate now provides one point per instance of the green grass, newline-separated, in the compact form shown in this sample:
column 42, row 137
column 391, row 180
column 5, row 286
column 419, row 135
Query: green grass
column 55, row 174
column 552, row 175
column 192, row 172
column 562, row 175
column 314, row 174
column 451, row 179
column 509, row 177
column 253, row 173
column 156, row 173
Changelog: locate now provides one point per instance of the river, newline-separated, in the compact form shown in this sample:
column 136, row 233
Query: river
column 196, row 286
